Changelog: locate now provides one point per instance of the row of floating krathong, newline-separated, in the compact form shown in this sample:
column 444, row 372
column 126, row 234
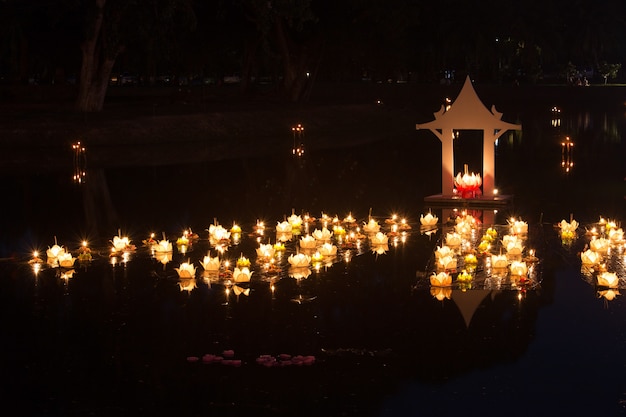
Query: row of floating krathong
column 496, row 260
column 603, row 259
column 302, row 244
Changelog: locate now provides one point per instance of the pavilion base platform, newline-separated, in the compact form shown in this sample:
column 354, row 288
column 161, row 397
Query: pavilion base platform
column 480, row 202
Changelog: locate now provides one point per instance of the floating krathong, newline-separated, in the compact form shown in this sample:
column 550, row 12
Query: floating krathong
column 371, row 227
column 265, row 251
column 186, row 270
column 218, row 234
column 468, row 185
column 283, row 227
column 53, row 254
column 328, row 249
column 453, row 239
column 616, row 236
column 608, row 280
column 446, row 263
column 243, row 262
column 518, row 227
column 464, row 277
column 514, row 248
column 66, row 260
column 379, row 239
column 429, row 220
column 163, row 246
column 211, row 264
column 590, row 258
column 441, row 279
column 299, row 260
column 443, row 251
column 499, row 261
column 600, row 245
column 519, row 269
column 323, row 235
column 242, row 274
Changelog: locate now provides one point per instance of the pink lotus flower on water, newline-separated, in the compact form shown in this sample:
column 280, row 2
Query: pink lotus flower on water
column 186, row 270
column 608, row 279
column 442, row 279
column 323, row 235
column 590, row 258
column 242, row 274
column 308, row 242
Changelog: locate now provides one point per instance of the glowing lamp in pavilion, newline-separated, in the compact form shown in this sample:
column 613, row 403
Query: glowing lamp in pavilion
column 453, row 239
column 323, row 235
column 590, row 258
column 468, row 185
column 446, row 263
column 371, row 226
column 379, row 239
column 608, row 280
column 441, row 293
column 442, row 279
column 519, row 269
column 328, row 249
column 265, row 251
column 66, row 260
column 242, row 274
column 299, row 260
column 211, row 264
column 186, row 270
column 600, row 245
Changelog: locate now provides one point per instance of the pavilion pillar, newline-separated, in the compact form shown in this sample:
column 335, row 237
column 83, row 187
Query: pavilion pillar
column 489, row 164
column 447, row 162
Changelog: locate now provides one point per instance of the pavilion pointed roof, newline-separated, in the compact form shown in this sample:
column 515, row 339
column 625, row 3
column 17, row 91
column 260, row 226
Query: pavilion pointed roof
column 468, row 112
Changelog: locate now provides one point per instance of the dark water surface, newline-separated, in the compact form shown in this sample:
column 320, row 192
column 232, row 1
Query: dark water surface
column 119, row 338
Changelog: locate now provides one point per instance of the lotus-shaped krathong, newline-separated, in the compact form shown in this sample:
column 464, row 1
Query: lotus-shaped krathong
column 328, row 249
column 164, row 246
column 453, row 239
column 600, row 245
column 308, row 242
column 283, row 227
column 121, row 244
column 468, row 185
column 519, row 268
column 218, row 234
column 323, row 235
column 295, row 221
column 66, row 260
column 514, row 248
column 379, row 239
column 265, row 251
column 446, row 263
column 380, row 249
column 243, row 262
column 616, row 236
column 299, row 260
column 242, row 274
column 441, row 279
column 442, row 251
column 211, row 264
column 518, row 227
column 608, row 280
column 186, row 270
column 53, row 254
column 590, row 258
column 463, row 228
column 371, row 226
column 499, row 261
column 572, row 226
column 428, row 220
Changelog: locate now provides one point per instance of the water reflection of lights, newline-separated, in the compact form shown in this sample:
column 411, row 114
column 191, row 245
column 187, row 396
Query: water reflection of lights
column 556, row 117
column 80, row 163
column 298, row 140
column 567, row 154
